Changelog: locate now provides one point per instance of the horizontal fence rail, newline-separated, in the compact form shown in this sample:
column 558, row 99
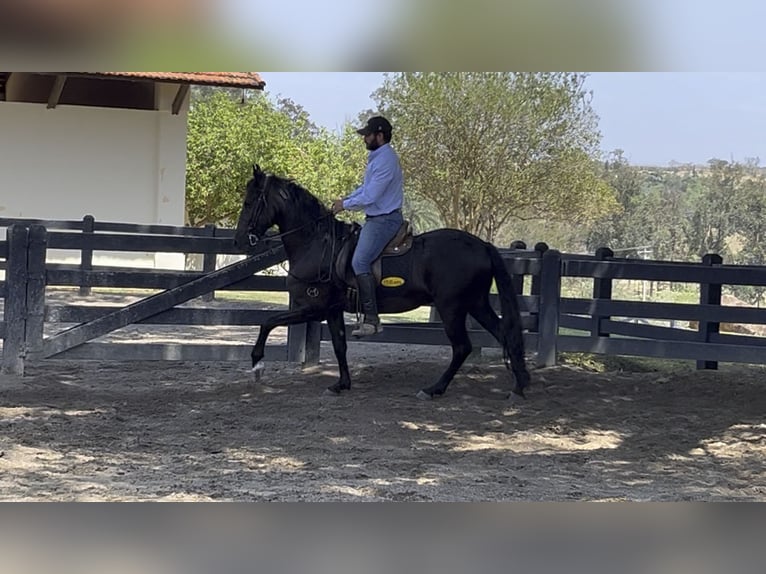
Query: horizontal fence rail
column 90, row 225
column 552, row 323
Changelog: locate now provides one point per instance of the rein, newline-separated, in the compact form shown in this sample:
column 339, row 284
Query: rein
column 254, row 239
column 328, row 276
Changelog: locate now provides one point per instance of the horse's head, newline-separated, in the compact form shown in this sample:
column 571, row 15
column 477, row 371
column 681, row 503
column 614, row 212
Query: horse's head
column 258, row 213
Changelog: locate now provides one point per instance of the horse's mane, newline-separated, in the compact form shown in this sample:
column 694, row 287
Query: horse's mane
column 300, row 198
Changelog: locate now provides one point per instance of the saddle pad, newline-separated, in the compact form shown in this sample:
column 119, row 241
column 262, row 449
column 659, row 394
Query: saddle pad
column 395, row 272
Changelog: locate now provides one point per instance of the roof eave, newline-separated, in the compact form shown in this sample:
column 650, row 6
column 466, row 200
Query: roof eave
column 255, row 85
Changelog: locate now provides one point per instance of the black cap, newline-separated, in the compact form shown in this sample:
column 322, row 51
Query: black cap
column 374, row 125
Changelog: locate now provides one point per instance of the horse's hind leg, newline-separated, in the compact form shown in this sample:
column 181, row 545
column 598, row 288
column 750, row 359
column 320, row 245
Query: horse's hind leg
column 454, row 325
column 487, row 318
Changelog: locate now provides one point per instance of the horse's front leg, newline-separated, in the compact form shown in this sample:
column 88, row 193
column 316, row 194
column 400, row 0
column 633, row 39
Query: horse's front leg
column 337, row 327
column 294, row 317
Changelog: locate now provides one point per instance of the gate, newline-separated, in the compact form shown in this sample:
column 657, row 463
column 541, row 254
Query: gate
column 25, row 310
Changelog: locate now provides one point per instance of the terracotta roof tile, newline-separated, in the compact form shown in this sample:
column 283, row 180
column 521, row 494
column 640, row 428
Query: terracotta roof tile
column 227, row 79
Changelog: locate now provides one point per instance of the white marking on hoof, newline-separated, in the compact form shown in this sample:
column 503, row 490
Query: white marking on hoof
column 424, row 396
column 516, row 398
column 257, row 371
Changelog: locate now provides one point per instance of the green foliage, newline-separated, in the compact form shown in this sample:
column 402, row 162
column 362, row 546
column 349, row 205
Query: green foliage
column 421, row 213
column 228, row 133
column 504, row 155
column 485, row 148
column 712, row 208
column 617, row 229
column 747, row 243
column 685, row 212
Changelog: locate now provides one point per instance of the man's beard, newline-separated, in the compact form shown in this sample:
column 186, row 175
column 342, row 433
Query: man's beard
column 373, row 145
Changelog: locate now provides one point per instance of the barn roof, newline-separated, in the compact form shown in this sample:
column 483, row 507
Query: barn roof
column 250, row 80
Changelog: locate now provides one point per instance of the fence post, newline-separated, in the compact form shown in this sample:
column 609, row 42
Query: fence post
column 303, row 341
column 518, row 280
column 209, row 261
column 38, row 244
column 86, row 255
column 710, row 294
column 534, row 289
column 550, row 304
column 15, row 311
column 602, row 289
column 540, row 249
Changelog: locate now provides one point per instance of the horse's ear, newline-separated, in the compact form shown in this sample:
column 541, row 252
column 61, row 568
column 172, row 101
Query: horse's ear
column 256, row 169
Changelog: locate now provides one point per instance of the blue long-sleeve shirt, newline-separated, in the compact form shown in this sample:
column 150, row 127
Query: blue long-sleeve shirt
column 383, row 190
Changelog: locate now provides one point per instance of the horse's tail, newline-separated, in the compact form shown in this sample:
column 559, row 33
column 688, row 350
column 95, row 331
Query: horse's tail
column 512, row 337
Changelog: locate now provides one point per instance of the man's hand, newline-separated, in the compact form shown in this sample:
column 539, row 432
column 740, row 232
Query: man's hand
column 337, row 206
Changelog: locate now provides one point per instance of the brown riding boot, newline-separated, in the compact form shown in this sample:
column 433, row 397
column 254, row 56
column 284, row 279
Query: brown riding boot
column 371, row 322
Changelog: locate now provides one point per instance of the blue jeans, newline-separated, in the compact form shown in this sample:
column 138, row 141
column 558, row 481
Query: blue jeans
column 375, row 234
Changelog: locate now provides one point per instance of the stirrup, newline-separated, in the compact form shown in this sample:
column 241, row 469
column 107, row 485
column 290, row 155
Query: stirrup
column 366, row 329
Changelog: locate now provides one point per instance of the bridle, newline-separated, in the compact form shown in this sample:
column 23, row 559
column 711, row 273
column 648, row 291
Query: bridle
column 261, row 205
column 323, row 276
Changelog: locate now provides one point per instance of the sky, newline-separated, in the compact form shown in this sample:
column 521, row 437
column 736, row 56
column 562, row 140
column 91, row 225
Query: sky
column 705, row 100
column 331, row 98
column 687, row 117
column 655, row 117
column 671, row 35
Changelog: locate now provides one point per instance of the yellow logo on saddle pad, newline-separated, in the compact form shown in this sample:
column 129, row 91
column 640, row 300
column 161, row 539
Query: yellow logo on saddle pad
column 392, row 282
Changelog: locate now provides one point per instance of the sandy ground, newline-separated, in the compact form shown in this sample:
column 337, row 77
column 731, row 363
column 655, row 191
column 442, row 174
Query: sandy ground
column 123, row 431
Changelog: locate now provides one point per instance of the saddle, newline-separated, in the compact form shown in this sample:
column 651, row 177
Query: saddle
column 399, row 245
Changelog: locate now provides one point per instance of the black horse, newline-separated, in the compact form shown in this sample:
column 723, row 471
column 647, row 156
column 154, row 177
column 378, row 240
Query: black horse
column 452, row 270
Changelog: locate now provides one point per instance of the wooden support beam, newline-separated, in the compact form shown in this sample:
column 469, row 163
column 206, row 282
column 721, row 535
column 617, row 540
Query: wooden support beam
column 183, row 90
column 58, row 87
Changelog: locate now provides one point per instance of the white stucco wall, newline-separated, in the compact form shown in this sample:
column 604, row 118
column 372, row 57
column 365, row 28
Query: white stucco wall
column 115, row 164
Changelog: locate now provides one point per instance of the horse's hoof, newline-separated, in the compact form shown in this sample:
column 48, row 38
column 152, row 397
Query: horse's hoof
column 423, row 396
column 257, row 371
column 516, row 398
column 330, row 392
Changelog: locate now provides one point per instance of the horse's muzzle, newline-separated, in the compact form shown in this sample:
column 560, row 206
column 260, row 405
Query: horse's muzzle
column 246, row 242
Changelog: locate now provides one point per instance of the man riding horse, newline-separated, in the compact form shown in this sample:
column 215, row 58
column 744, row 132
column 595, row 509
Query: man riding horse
column 448, row 269
column 380, row 197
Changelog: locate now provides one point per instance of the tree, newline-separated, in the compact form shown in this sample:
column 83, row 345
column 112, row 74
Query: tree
column 421, row 213
column 617, row 229
column 713, row 205
column 485, row 148
column 227, row 134
column 748, row 244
